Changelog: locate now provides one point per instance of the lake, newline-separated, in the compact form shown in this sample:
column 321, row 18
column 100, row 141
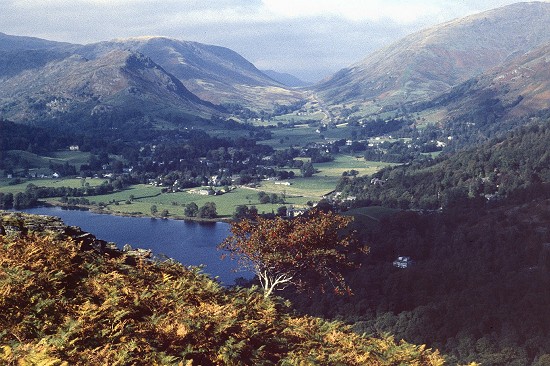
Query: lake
column 190, row 243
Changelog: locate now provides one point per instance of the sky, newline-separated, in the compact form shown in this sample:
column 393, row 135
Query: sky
column 310, row 39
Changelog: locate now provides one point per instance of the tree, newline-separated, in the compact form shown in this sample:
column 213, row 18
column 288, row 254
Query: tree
column 307, row 169
column 208, row 211
column 241, row 212
column 263, row 197
column 191, row 210
column 292, row 252
column 154, row 210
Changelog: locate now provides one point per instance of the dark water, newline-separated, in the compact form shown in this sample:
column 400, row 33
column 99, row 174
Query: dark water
column 190, row 243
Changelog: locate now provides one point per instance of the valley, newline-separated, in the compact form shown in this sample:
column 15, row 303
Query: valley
column 434, row 148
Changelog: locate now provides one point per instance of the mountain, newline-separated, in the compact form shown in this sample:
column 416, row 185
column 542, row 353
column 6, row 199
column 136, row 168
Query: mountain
column 156, row 77
column 121, row 83
column 511, row 91
column 428, row 63
column 12, row 43
column 286, row 79
column 23, row 53
column 216, row 74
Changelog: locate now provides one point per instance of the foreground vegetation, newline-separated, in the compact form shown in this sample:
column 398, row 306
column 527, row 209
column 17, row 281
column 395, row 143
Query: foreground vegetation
column 63, row 305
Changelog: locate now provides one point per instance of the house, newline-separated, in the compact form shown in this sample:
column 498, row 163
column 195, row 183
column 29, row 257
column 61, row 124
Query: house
column 206, row 192
column 376, row 182
column 295, row 212
column 403, row 262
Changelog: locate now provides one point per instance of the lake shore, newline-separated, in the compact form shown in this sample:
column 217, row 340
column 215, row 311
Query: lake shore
column 99, row 210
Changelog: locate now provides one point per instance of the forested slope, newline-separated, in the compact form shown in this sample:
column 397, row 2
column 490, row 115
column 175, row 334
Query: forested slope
column 477, row 289
column 480, row 244
column 496, row 169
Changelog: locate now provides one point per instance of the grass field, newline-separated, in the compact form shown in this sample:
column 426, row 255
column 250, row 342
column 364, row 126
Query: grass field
column 301, row 135
column 34, row 161
column 5, row 186
column 138, row 199
column 147, row 196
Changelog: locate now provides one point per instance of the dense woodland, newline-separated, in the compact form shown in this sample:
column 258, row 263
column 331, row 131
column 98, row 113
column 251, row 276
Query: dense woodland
column 491, row 171
column 478, row 288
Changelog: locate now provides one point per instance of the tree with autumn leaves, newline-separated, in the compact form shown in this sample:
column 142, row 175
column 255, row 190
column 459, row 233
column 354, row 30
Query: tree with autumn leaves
column 283, row 252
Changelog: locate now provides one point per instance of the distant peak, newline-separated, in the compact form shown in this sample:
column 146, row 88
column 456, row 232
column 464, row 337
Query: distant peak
column 140, row 38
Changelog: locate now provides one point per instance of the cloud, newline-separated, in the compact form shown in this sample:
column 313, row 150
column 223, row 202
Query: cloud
column 354, row 10
column 311, row 38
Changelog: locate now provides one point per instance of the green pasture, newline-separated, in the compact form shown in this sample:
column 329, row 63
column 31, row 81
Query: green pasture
column 138, row 191
column 5, row 186
column 342, row 163
column 145, row 196
column 301, row 135
column 34, row 161
column 138, row 199
column 77, row 158
column 325, row 180
column 293, row 117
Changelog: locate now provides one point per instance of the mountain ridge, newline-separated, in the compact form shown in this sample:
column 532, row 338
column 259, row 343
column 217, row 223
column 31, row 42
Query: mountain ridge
column 214, row 73
column 287, row 79
column 75, row 84
column 429, row 62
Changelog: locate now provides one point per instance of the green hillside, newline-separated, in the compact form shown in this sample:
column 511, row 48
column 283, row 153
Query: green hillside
column 494, row 170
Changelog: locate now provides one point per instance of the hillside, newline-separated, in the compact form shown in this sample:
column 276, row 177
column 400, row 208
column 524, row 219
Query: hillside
column 78, row 301
column 18, row 54
column 45, row 80
column 499, row 168
column 286, row 79
column 501, row 96
column 216, row 74
column 477, row 289
column 119, row 83
column 475, row 224
column 428, row 63
column 12, row 43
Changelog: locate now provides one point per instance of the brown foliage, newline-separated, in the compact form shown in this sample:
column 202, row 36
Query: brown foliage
column 294, row 251
column 63, row 306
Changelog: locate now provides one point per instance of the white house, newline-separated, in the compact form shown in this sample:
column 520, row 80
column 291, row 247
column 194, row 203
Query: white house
column 403, row 262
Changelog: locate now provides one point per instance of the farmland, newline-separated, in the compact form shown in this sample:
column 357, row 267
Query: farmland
column 138, row 199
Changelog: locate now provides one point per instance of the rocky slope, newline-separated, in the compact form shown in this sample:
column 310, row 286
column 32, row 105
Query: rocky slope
column 120, row 81
column 216, row 74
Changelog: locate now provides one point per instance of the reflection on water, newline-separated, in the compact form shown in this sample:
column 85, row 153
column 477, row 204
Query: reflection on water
column 189, row 242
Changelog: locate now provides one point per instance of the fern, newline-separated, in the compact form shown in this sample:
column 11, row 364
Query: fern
column 61, row 306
